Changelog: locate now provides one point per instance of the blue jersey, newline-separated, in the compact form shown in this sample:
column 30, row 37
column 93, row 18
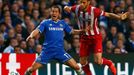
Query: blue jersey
column 53, row 46
column 53, row 33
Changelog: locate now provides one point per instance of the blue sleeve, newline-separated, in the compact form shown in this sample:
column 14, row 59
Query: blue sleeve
column 67, row 28
column 42, row 26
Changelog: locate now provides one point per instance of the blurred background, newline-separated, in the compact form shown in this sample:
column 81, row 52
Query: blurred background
column 18, row 18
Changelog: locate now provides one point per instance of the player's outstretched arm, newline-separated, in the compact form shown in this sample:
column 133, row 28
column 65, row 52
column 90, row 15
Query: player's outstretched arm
column 33, row 34
column 119, row 17
column 125, row 15
column 75, row 31
column 67, row 9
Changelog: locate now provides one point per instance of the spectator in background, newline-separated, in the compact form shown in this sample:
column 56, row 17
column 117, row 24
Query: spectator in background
column 18, row 28
column 104, row 38
column 121, row 46
column 11, row 34
column 67, row 46
column 130, row 28
column 13, row 19
column 18, row 37
column 109, row 47
column 8, row 21
column 93, row 3
column 117, row 50
column 38, row 48
column 130, row 9
column 129, row 2
column 45, row 13
column 21, row 14
column 5, row 7
column 113, row 35
column 67, row 37
column 6, row 13
column 27, row 21
column 17, row 50
column 21, row 30
column 29, row 9
column 2, row 45
column 31, row 46
column 103, row 20
column 36, row 6
column 42, row 6
column 1, row 4
column 130, row 42
column 112, row 6
column 3, row 29
column 15, row 8
column 131, row 16
column 10, row 48
column 76, row 44
column 65, row 2
column 68, row 21
column 35, row 17
column 23, row 46
column 20, row 3
column 122, row 5
column 120, row 36
column 30, row 27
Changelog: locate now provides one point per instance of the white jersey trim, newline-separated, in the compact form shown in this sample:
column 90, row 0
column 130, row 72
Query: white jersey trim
column 92, row 21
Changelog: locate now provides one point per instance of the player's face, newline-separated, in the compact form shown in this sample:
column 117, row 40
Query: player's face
column 84, row 4
column 55, row 14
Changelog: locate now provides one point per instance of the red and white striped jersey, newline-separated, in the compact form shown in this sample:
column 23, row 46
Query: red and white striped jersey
column 88, row 19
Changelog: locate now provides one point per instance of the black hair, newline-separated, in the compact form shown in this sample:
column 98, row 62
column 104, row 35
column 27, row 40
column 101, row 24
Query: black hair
column 57, row 6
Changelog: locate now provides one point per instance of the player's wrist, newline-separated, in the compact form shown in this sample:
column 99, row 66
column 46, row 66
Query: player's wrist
column 31, row 36
column 120, row 18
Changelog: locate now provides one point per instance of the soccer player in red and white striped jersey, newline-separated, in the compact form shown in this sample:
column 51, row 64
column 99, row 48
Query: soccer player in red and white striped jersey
column 91, row 39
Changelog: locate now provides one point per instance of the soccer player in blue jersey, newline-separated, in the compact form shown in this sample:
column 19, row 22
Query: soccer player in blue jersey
column 53, row 46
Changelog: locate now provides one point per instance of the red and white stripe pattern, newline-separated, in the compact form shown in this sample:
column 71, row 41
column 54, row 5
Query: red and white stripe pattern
column 88, row 19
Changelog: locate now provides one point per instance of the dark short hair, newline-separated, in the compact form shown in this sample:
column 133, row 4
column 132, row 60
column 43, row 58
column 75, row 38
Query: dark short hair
column 57, row 6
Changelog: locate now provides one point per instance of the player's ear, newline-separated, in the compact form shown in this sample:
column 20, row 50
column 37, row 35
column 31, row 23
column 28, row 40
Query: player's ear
column 60, row 16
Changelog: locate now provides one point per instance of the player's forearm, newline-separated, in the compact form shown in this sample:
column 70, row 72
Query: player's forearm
column 34, row 33
column 112, row 15
column 77, row 32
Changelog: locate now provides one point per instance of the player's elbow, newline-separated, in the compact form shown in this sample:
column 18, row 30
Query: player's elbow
column 67, row 9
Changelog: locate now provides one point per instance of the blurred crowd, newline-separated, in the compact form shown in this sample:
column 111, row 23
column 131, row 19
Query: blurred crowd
column 18, row 18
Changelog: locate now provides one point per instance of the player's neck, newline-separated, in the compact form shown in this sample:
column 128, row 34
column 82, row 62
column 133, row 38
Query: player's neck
column 85, row 9
column 56, row 20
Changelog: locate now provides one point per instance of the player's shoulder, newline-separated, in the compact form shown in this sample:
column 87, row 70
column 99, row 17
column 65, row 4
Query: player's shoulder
column 62, row 21
column 93, row 7
column 45, row 20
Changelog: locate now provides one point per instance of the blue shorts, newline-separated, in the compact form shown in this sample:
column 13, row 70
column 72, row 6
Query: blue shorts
column 47, row 55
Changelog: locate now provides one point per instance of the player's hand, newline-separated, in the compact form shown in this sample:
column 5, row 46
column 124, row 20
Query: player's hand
column 124, row 16
column 83, row 31
column 67, row 9
column 28, row 38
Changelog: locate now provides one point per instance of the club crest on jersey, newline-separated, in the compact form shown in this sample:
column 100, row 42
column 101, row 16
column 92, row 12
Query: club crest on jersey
column 50, row 24
column 61, row 25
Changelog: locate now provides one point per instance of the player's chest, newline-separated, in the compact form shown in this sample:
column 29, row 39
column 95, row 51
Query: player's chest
column 55, row 27
column 84, row 16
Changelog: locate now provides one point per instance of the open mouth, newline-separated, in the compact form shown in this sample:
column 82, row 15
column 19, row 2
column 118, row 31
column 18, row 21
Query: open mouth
column 54, row 16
